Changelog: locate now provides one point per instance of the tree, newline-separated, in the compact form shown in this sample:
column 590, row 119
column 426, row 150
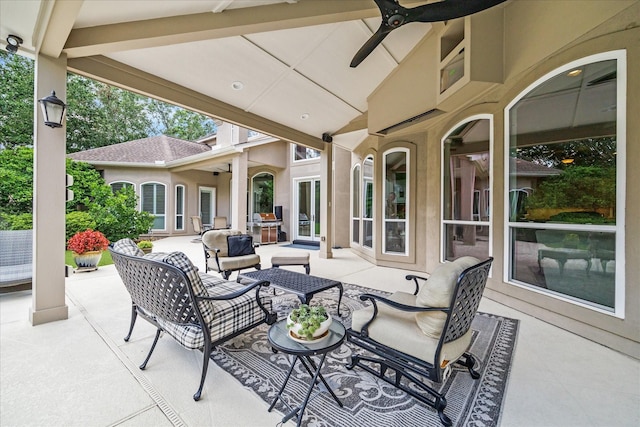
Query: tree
column 179, row 123
column 100, row 115
column 88, row 187
column 16, row 180
column 583, row 187
column 119, row 217
column 16, row 100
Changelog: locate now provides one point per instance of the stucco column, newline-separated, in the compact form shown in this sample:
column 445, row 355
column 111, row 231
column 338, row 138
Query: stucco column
column 239, row 171
column 48, row 298
column 326, row 198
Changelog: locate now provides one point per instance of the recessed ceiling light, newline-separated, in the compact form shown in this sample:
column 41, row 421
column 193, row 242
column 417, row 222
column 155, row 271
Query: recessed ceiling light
column 237, row 85
column 574, row 73
column 304, row 116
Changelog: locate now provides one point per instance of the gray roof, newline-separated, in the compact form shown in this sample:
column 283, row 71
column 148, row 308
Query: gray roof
column 527, row 168
column 146, row 150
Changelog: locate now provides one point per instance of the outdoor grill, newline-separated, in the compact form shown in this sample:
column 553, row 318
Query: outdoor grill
column 265, row 228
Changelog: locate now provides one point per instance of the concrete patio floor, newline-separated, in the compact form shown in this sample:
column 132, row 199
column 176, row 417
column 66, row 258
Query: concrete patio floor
column 80, row 372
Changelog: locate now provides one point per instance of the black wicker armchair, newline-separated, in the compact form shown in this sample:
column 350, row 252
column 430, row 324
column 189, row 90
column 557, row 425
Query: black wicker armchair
column 421, row 335
column 198, row 310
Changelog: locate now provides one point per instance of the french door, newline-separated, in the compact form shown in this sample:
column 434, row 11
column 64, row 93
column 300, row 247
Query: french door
column 207, row 205
column 307, row 220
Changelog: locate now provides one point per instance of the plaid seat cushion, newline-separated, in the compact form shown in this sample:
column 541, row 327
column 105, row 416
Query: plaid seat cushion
column 127, row 247
column 224, row 317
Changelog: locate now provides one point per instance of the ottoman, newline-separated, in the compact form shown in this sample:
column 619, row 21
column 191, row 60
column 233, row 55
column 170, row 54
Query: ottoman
column 291, row 258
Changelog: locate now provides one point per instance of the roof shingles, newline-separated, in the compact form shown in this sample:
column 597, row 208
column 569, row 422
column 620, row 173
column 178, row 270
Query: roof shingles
column 154, row 149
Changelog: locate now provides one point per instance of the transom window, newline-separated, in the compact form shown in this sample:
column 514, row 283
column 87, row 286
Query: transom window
column 565, row 185
column 300, row 152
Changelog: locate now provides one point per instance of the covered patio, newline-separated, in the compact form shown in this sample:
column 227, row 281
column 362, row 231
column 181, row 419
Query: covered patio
column 81, row 372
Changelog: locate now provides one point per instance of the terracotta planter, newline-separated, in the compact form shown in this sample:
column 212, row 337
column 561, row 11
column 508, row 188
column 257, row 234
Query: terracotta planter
column 87, row 260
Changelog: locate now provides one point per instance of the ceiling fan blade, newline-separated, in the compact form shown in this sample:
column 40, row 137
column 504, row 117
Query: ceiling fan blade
column 449, row 9
column 371, row 44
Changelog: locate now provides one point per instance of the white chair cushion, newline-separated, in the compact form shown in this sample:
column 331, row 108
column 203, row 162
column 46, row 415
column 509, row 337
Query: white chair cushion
column 437, row 292
column 398, row 329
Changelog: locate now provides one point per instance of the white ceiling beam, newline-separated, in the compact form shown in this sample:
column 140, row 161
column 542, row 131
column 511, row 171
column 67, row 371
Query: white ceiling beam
column 104, row 39
column 118, row 74
column 59, row 26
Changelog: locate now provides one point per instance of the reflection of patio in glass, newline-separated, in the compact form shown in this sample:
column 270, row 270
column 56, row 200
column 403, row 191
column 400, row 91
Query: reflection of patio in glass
column 570, row 272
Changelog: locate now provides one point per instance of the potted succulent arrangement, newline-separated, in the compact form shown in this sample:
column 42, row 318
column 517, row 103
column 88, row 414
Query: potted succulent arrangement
column 308, row 323
column 145, row 245
column 87, row 247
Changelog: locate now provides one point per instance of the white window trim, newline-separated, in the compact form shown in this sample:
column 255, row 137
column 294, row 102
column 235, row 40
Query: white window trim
column 353, row 213
column 363, row 204
column 491, row 184
column 407, row 232
column 184, row 191
column 165, row 203
column 251, row 202
column 621, row 142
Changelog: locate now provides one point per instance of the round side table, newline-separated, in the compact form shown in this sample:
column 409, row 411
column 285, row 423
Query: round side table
column 280, row 340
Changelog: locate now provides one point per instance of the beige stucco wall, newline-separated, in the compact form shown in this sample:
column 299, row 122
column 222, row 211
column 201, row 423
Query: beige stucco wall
column 562, row 32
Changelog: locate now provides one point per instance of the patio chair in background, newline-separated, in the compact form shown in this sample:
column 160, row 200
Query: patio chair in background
column 197, row 225
column 421, row 335
column 220, row 223
column 229, row 250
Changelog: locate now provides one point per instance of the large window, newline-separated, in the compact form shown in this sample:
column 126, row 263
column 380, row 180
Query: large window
column 154, row 202
column 396, row 179
column 179, row 207
column 565, row 185
column 355, row 205
column 466, row 189
column 262, row 189
column 367, row 202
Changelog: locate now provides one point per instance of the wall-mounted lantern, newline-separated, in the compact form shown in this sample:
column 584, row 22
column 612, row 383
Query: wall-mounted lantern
column 53, row 110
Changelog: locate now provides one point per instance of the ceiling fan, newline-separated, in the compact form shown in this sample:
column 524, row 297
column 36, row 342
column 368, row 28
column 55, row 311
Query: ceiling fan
column 395, row 16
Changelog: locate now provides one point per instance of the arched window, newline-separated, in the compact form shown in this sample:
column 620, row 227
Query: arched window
column 396, row 194
column 565, row 185
column 119, row 185
column 154, row 201
column 262, row 190
column 180, row 207
column 367, row 202
column 355, row 205
column 466, row 189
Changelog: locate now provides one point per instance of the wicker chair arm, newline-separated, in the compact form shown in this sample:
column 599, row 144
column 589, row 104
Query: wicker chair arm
column 402, row 307
column 415, row 279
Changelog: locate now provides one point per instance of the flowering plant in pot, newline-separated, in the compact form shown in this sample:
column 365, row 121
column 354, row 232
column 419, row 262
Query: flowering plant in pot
column 87, row 247
column 308, row 323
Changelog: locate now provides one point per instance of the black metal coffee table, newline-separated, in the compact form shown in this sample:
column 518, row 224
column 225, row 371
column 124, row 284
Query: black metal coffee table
column 280, row 340
column 302, row 285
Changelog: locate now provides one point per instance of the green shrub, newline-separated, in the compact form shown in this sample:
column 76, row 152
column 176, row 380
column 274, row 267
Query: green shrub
column 119, row 217
column 17, row 222
column 78, row 221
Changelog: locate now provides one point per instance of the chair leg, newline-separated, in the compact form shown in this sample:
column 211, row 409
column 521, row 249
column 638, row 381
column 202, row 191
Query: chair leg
column 153, row 346
column 307, row 268
column 134, row 316
column 469, row 363
column 226, row 274
column 205, row 366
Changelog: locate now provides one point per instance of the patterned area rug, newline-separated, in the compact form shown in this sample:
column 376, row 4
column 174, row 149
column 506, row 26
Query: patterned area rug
column 369, row 401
